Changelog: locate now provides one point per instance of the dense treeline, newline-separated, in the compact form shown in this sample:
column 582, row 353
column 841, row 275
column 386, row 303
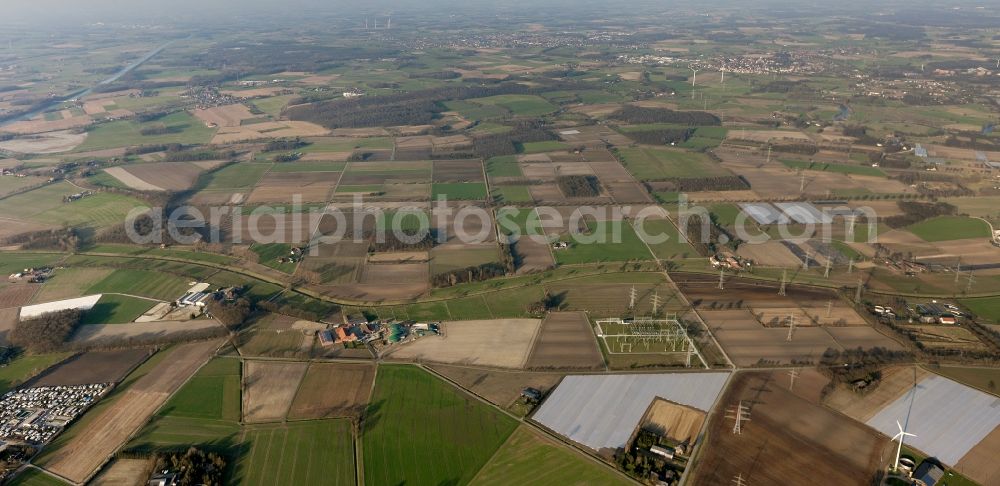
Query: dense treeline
column 796, row 148
column 413, row 108
column 478, row 273
column 278, row 56
column 858, row 368
column 47, row 332
column 196, row 155
column 231, row 314
column 665, row 136
column 915, row 212
column 63, row 239
column 193, row 467
column 390, row 242
column 523, row 131
column 695, row 184
column 285, row 144
column 579, row 185
column 639, row 115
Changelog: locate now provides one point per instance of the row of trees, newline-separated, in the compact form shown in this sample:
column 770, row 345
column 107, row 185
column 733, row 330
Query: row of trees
column 694, row 184
column 639, row 115
column 664, row 136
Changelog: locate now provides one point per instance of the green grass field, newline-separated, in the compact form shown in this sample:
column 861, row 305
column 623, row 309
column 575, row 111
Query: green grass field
column 155, row 285
column 459, row 191
column 529, row 458
column 630, row 247
column 45, row 205
column 647, row 163
column 205, row 412
column 503, row 166
column 117, row 309
column 313, row 452
column 512, row 194
column 26, row 366
column 986, row 309
column 212, row 393
column 183, row 128
column 470, row 308
column 475, row 111
column 11, row 184
column 269, row 254
column 236, row 176
column 421, row 431
column 68, row 283
column 11, row 262
column 864, row 170
column 520, row 105
column 948, row 228
column 673, row 247
column 35, row 477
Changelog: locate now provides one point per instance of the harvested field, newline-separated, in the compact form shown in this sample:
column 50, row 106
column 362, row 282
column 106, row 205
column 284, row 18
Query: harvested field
column 130, row 180
column 99, row 438
column 501, row 343
column 275, row 129
column 770, row 254
column 140, row 331
column 93, row 367
column 283, row 187
column 895, row 382
column 413, row 274
column 46, row 143
column 980, row 464
column 678, row 422
column 42, row 126
column 628, row 192
column 224, row 116
column 566, row 341
column 11, row 227
column 16, row 295
column 167, row 176
column 788, row 440
column 333, row 390
column 269, row 389
column 532, row 256
column 499, row 387
column 458, row 171
column 125, row 472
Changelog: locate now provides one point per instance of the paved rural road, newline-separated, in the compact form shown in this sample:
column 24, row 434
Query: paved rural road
column 85, row 92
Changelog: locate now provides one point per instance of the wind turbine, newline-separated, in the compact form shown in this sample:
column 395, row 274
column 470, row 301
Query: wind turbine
column 694, row 78
column 900, row 437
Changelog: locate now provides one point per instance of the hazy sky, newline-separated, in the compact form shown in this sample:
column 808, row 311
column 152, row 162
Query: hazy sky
column 48, row 12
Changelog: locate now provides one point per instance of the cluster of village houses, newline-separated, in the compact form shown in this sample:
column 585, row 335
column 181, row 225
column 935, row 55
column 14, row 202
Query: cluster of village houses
column 379, row 334
column 31, row 275
column 36, row 415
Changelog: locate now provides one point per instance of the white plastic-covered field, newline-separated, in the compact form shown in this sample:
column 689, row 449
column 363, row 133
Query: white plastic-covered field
column 82, row 303
column 601, row 411
column 948, row 417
